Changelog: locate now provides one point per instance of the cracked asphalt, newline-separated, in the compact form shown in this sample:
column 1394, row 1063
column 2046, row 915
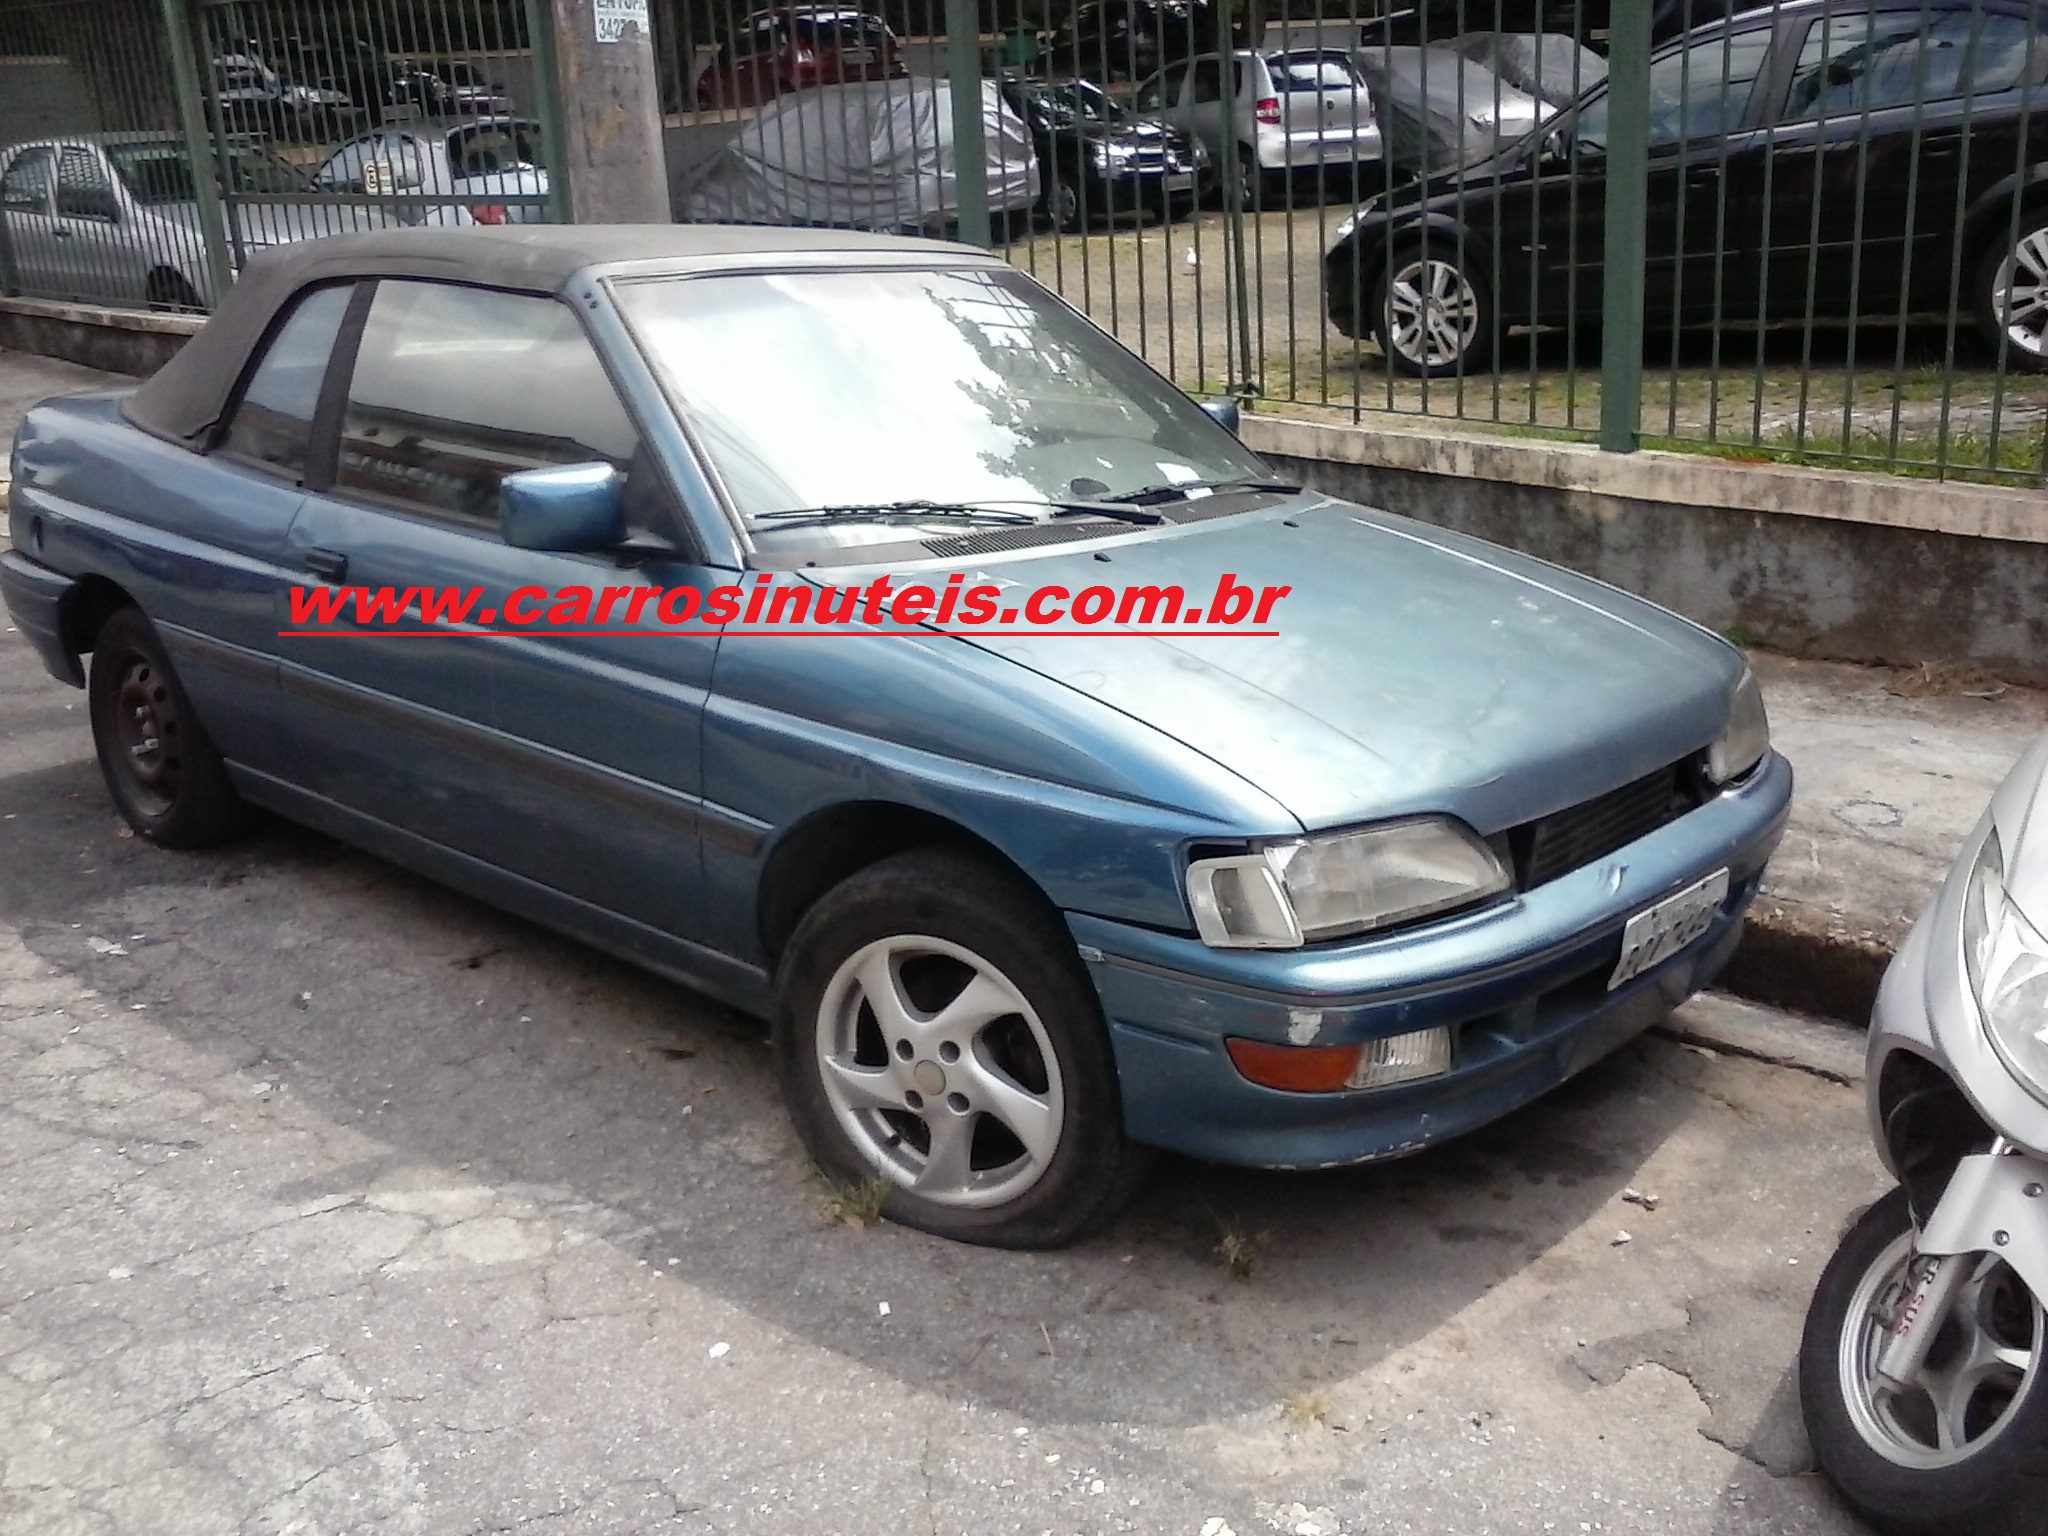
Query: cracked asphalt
column 333, row 1202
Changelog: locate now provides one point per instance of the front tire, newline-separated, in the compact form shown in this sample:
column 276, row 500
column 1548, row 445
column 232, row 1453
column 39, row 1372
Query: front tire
column 2012, row 295
column 1063, row 205
column 1432, row 314
column 166, row 777
column 934, row 1029
column 1966, row 1452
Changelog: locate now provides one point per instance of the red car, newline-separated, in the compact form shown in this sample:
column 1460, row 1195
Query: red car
column 778, row 51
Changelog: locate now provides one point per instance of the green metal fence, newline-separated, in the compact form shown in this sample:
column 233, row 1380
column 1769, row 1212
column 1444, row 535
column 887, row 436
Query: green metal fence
column 1813, row 230
column 148, row 146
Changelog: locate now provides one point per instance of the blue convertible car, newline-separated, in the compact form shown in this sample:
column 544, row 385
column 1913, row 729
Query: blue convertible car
column 1022, row 902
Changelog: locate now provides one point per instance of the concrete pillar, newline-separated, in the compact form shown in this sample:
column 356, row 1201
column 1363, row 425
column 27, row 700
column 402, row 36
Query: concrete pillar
column 606, row 94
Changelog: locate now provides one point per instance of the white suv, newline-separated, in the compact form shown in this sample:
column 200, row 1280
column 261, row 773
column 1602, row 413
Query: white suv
column 1301, row 109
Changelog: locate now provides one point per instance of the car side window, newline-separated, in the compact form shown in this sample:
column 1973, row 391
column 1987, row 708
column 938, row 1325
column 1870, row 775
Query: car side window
column 26, row 186
column 1698, row 92
column 1855, row 64
column 456, row 388
column 1151, row 96
column 84, row 190
column 1208, row 79
column 272, row 423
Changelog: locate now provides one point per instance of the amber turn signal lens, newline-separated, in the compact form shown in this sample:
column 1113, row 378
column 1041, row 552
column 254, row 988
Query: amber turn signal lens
column 1296, row 1068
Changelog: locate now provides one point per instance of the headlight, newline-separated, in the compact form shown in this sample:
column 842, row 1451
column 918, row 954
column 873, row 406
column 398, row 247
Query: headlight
column 1748, row 735
column 1296, row 893
column 1110, row 156
column 2006, row 958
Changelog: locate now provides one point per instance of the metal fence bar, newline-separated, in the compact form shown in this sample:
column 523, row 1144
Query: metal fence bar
column 1625, row 222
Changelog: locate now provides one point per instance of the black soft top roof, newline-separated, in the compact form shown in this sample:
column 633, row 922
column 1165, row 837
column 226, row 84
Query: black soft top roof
column 186, row 398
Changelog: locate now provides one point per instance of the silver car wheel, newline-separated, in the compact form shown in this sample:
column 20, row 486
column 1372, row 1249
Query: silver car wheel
column 1984, row 1359
column 939, row 1071
column 1432, row 312
column 2019, row 294
column 1063, row 202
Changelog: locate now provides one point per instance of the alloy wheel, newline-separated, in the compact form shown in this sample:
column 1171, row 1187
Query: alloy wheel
column 1986, row 1355
column 2020, row 294
column 940, row 1071
column 1063, row 201
column 1432, row 313
column 146, row 730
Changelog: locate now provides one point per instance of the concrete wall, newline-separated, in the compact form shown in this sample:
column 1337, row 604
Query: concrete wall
column 43, row 96
column 1860, row 568
column 118, row 341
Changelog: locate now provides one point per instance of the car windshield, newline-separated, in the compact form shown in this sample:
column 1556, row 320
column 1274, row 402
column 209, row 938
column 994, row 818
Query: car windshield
column 821, row 389
column 1073, row 101
column 162, row 173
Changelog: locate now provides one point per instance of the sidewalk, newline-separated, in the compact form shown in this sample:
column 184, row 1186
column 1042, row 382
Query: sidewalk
column 1894, row 769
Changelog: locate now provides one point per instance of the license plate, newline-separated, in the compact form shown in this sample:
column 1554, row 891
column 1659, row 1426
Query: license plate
column 1654, row 936
column 1179, row 181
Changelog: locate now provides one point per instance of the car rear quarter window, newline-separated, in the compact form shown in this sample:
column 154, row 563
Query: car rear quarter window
column 272, row 424
column 456, row 388
column 1851, row 64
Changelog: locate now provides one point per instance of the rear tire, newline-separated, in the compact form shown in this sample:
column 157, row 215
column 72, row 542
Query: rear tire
column 991, row 1118
column 2011, row 289
column 166, row 777
column 1996, row 1485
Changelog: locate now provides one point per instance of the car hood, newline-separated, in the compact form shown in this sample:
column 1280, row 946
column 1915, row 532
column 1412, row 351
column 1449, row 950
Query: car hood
column 1412, row 670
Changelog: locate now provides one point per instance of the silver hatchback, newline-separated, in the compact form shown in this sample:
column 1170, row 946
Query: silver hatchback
column 1300, row 109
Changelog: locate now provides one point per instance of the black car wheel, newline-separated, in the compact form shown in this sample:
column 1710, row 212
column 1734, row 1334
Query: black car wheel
column 1251, row 179
column 2012, row 294
column 169, row 290
column 935, row 1032
column 1432, row 315
column 1963, row 1451
column 1063, row 205
column 165, row 775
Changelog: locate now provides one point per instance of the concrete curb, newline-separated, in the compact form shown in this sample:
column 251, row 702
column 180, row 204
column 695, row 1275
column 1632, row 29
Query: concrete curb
column 1790, row 960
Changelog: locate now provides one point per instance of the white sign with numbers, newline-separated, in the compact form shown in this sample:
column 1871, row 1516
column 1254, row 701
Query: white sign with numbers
column 614, row 16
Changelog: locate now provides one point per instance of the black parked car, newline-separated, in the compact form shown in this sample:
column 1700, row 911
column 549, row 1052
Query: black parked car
column 1130, row 39
column 1869, row 159
column 1094, row 163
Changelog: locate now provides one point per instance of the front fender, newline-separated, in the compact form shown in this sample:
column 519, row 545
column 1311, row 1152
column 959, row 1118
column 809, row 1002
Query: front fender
column 1996, row 1205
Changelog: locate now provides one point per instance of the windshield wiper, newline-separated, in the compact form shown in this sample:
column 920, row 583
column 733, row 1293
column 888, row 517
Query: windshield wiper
column 1115, row 507
column 893, row 511
column 1152, row 495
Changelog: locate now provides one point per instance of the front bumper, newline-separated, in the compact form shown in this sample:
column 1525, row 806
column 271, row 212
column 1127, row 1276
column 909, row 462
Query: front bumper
column 1926, row 1008
column 36, row 597
column 1522, row 986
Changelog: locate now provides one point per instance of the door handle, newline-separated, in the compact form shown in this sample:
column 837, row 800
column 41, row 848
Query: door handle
column 330, row 564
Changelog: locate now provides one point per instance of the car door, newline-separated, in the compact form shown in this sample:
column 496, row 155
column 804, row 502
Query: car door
column 1708, row 168
column 1885, row 115
column 1203, row 109
column 108, row 249
column 35, row 259
column 216, row 586
column 570, row 757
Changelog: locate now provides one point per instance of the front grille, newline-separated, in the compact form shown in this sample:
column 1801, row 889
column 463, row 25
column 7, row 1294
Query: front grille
column 1558, row 844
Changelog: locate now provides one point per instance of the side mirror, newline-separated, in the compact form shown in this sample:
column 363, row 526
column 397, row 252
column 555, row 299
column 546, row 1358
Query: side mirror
column 1226, row 413
column 1554, row 150
column 570, row 509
